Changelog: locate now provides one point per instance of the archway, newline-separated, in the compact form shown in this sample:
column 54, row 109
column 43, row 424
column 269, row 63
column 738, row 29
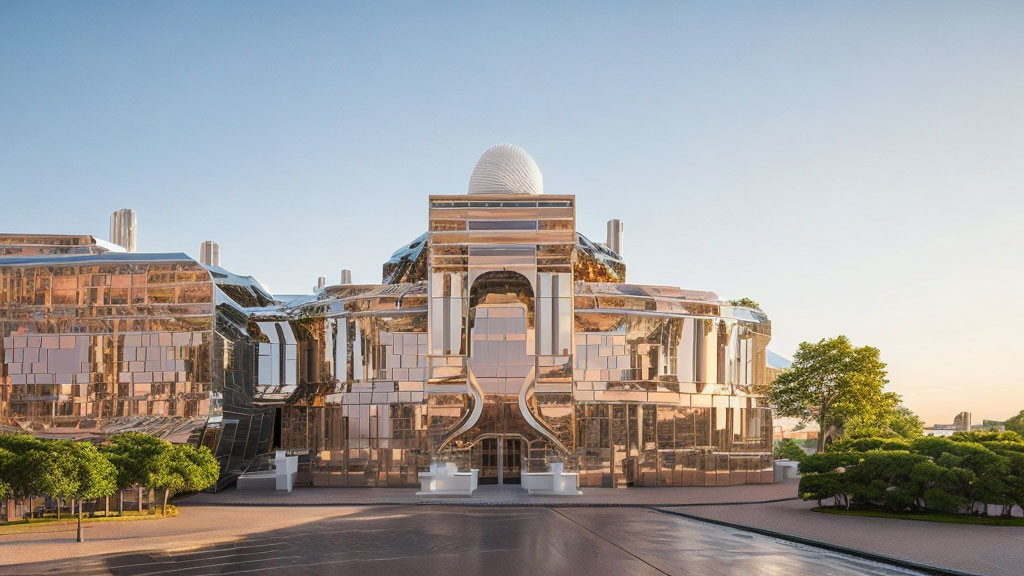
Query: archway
column 501, row 357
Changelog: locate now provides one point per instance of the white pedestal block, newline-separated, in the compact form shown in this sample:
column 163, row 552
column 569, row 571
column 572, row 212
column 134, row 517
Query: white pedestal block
column 446, row 480
column 554, row 482
column 282, row 477
column 786, row 470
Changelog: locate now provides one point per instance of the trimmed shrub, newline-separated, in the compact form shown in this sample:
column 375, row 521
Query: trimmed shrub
column 954, row 475
column 822, row 487
column 823, row 462
column 788, row 449
column 887, row 479
column 939, row 500
column 866, row 444
column 987, row 436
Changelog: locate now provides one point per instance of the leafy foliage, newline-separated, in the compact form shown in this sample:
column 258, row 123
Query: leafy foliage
column 1015, row 423
column 5, row 459
column 788, row 449
column 26, row 466
column 885, row 417
column 137, row 458
column 886, row 479
column 79, row 470
column 950, row 475
column 746, row 303
column 183, row 468
column 988, row 436
column 834, row 383
column 822, row 486
column 823, row 462
column 865, row 444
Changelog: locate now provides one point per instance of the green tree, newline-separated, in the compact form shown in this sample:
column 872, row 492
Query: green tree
column 788, row 449
column 1015, row 423
column 829, row 382
column 185, row 468
column 5, row 459
column 885, row 417
column 57, row 478
column 137, row 458
column 79, row 471
column 746, row 303
column 26, row 468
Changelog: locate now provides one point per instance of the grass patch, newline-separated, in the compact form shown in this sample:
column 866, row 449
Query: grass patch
column 924, row 516
column 21, row 526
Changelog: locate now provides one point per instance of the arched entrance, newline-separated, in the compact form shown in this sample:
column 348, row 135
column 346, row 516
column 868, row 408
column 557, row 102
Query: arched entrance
column 500, row 457
column 501, row 357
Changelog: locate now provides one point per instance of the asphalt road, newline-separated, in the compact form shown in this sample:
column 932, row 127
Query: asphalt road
column 424, row 539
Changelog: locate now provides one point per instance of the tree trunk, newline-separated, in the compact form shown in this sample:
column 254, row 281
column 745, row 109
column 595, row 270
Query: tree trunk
column 140, row 500
column 30, row 511
column 821, row 431
column 106, row 506
column 59, row 502
column 81, row 538
column 163, row 511
column 120, row 502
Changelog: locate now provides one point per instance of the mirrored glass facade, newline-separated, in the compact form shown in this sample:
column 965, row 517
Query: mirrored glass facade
column 95, row 344
column 501, row 339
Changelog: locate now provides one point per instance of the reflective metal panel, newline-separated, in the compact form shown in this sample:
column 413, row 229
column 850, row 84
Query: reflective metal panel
column 500, row 339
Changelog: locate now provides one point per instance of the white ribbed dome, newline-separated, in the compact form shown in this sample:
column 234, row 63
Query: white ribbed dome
column 506, row 169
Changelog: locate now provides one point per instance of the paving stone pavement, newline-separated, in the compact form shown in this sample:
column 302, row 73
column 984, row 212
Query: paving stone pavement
column 772, row 509
column 414, row 540
column 967, row 548
column 509, row 495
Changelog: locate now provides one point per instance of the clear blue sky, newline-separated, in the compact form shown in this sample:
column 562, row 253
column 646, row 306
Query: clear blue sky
column 857, row 168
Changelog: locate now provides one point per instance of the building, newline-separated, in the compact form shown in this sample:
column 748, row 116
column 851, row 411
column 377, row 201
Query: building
column 123, row 229
column 500, row 338
column 776, row 365
column 95, row 344
column 209, row 253
column 961, row 423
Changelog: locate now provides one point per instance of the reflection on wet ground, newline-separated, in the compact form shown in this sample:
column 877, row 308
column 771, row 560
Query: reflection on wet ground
column 492, row 541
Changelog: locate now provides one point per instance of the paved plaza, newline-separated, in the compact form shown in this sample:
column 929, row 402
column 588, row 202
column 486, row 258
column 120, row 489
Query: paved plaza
column 503, row 531
column 395, row 540
column 969, row 548
column 509, row 495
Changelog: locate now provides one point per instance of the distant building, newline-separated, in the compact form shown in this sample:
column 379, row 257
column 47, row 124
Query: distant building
column 209, row 253
column 123, row 228
column 962, row 421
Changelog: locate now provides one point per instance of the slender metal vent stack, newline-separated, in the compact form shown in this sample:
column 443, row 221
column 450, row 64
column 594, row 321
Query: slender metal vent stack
column 615, row 236
column 123, row 228
column 346, row 276
column 209, row 253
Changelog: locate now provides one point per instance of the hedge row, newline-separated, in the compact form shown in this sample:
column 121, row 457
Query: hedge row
column 960, row 474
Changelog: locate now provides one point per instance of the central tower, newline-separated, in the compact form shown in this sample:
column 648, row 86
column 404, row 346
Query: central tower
column 500, row 284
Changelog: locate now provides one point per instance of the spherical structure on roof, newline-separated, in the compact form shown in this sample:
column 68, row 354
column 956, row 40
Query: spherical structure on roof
column 506, row 169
